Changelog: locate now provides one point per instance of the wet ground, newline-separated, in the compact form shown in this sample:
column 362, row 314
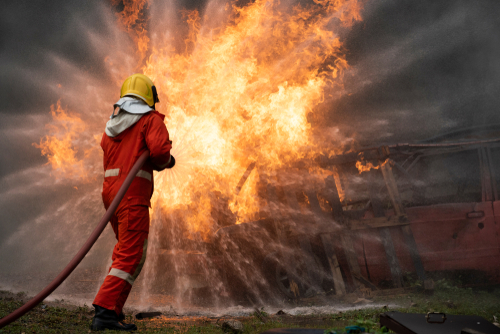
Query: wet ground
column 319, row 316
column 80, row 289
column 321, row 311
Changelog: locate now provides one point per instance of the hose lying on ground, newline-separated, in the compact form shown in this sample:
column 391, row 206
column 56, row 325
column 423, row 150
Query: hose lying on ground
column 83, row 251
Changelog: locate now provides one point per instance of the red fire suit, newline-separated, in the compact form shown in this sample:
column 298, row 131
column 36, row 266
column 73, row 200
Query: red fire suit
column 131, row 220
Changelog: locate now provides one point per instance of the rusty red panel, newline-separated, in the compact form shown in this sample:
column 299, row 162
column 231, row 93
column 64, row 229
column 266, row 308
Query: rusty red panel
column 446, row 239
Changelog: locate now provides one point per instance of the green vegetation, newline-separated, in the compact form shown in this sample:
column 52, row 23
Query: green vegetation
column 260, row 313
column 446, row 298
column 45, row 319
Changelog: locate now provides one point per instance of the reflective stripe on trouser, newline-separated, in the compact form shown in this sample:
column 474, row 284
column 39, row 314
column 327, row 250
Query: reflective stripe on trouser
column 131, row 226
column 126, row 276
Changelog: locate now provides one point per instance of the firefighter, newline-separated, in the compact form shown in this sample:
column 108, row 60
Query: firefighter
column 134, row 128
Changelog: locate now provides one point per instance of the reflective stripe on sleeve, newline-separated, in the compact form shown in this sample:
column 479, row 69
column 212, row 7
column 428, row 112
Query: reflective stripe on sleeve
column 122, row 274
column 112, row 172
column 144, row 174
column 141, row 173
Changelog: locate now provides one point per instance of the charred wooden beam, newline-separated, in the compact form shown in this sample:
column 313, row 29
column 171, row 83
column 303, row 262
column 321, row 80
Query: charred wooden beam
column 289, row 263
column 385, row 233
column 399, row 210
column 346, row 234
column 244, row 177
column 327, row 246
column 338, row 281
column 334, row 199
column 376, row 153
column 350, row 253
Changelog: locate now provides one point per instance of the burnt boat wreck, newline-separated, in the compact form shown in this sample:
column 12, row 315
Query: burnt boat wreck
column 372, row 220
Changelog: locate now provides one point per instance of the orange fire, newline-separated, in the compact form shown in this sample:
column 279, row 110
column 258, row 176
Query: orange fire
column 242, row 95
column 59, row 146
column 338, row 184
column 133, row 18
column 365, row 166
column 239, row 93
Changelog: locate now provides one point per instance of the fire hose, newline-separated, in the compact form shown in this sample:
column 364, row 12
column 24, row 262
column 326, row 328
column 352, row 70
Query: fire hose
column 83, row 251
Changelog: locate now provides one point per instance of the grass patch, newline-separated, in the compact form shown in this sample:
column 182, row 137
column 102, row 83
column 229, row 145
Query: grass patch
column 446, row 298
column 45, row 319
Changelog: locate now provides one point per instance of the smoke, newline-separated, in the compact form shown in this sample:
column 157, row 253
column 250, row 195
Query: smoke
column 49, row 52
column 418, row 68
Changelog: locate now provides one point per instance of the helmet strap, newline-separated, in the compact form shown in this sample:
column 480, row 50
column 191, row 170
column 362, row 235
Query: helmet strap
column 155, row 95
column 113, row 114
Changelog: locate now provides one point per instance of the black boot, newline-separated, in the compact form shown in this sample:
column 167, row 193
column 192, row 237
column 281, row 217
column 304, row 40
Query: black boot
column 107, row 319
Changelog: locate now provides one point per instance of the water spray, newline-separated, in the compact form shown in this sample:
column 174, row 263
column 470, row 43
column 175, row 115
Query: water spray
column 83, row 251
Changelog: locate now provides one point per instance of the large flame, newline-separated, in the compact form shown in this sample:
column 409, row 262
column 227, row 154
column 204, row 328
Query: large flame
column 236, row 94
column 59, row 147
column 133, row 19
column 243, row 95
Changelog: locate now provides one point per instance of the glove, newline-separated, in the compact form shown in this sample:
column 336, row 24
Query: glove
column 171, row 163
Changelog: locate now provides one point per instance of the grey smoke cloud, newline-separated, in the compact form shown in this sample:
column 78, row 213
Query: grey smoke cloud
column 46, row 49
column 421, row 68
column 417, row 68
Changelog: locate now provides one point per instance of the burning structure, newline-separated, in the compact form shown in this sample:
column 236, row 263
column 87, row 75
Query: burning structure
column 420, row 208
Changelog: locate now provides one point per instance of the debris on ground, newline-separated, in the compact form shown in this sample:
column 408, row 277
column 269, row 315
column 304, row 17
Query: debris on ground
column 145, row 315
column 232, row 326
column 261, row 314
column 362, row 301
column 429, row 285
column 450, row 304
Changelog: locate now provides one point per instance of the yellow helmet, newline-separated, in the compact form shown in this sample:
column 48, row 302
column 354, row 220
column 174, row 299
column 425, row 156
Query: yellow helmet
column 141, row 86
